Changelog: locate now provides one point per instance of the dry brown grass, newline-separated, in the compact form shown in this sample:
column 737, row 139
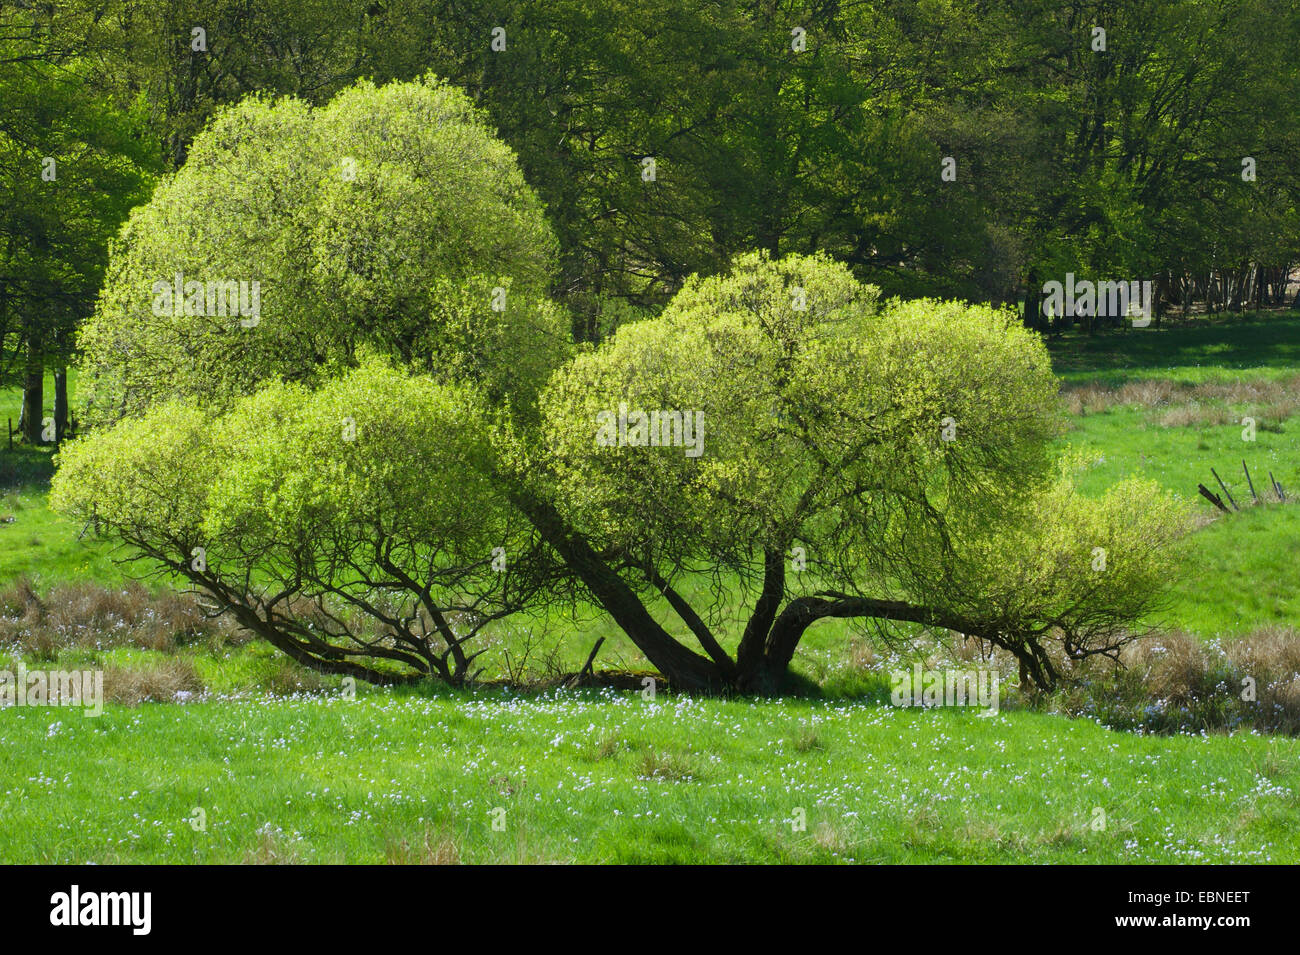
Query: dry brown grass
column 1087, row 399
column 831, row 839
column 1147, row 392
column 1271, row 656
column 1196, row 415
column 433, row 849
column 1177, row 682
column 272, row 849
column 1273, row 414
column 1182, row 405
column 1097, row 399
column 1257, row 391
column 87, row 615
column 1176, row 667
column 160, row 682
column 291, row 678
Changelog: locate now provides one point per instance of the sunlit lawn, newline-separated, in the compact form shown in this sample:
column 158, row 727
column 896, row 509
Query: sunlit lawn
column 593, row 777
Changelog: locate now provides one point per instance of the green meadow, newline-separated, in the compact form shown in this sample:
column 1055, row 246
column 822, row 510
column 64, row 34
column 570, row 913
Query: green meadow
column 608, row 777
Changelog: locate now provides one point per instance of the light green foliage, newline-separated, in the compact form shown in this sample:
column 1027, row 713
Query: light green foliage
column 907, row 448
column 149, row 477
column 291, row 474
column 373, row 456
column 806, row 411
column 732, row 350
column 1055, row 560
column 372, row 494
column 384, row 219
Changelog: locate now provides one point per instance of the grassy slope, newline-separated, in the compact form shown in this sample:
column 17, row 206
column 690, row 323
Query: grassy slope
column 1241, row 571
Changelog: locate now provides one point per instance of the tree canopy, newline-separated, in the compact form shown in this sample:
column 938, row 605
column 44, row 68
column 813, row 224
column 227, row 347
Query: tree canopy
column 388, row 219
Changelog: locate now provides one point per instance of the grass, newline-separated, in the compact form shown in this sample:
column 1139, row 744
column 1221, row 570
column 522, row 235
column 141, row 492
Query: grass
column 1174, row 413
column 43, row 546
column 607, row 777
column 1242, row 565
column 1269, row 341
column 34, row 541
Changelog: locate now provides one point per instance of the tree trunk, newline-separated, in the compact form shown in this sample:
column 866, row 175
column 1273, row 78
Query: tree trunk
column 1033, row 301
column 1235, row 303
column 799, row 614
column 771, row 637
column 33, row 411
column 60, row 404
column 683, row 668
column 752, row 652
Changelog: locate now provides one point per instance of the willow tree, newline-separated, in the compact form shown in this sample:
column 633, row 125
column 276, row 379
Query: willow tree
column 403, row 447
column 304, row 343
column 859, row 461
